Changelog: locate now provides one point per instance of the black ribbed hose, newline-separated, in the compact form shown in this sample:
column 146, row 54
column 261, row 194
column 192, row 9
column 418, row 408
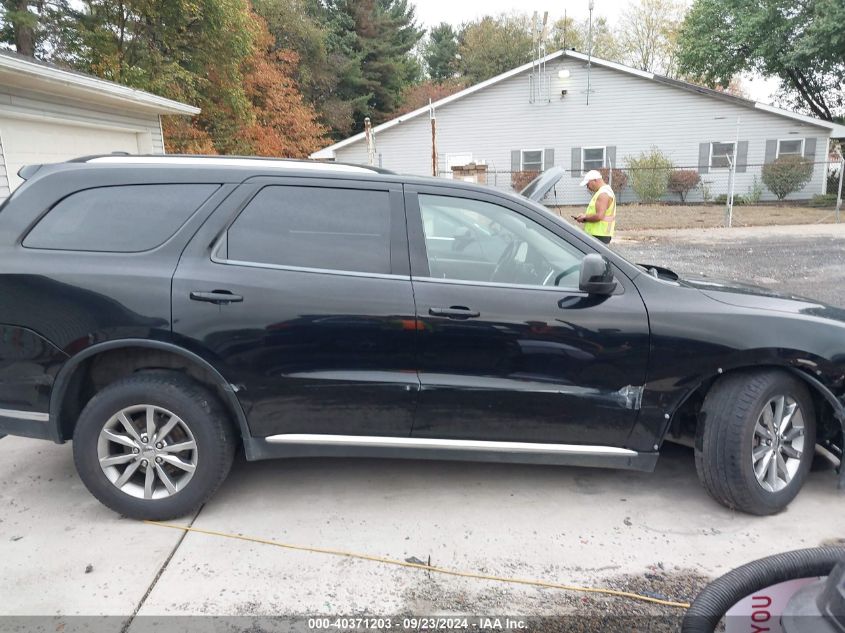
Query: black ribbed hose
column 724, row 592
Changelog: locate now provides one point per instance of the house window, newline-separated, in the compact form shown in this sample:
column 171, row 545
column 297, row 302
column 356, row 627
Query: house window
column 791, row 147
column 592, row 158
column 721, row 155
column 531, row 160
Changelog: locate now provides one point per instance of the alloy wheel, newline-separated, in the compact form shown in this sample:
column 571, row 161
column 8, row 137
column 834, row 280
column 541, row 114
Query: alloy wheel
column 147, row 452
column 778, row 444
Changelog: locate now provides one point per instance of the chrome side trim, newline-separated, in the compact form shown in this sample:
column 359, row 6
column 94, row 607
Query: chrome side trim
column 301, row 269
column 25, row 415
column 490, row 284
column 432, row 443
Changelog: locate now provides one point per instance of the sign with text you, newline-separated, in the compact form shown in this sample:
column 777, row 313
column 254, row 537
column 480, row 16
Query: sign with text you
column 761, row 611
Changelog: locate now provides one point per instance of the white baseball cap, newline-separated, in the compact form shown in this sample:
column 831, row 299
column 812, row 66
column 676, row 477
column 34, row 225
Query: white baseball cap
column 590, row 175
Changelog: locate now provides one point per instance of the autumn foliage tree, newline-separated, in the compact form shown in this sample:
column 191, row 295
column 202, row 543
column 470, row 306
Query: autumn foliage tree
column 281, row 124
column 682, row 181
column 419, row 95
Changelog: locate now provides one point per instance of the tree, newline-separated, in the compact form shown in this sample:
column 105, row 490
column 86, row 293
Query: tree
column 787, row 174
column 802, row 44
column 378, row 36
column 440, row 52
column 421, row 94
column 300, row 26
column 216, row 54
column 616, row 178
column 282, row 123
column 189, row 50
column 567, row 34
column 491, row 46
column 734, row 88
column 650, row 173
column 648, row 35
column 682, row 181
column 29, row 25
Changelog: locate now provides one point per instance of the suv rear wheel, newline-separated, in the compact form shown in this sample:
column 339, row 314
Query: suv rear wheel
column 756, row 443
column 153, row 446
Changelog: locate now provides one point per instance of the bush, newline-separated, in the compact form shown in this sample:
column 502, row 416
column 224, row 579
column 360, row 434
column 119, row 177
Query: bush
column 520, row 179
column 619, row 180
column 706, row 193
column 682, row 181
column 755, row 192
column 787, row 174
column 650, row 175
column 826, row 200
column 722, row 198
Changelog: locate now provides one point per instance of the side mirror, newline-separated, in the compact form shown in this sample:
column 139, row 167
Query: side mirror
column 596, row 275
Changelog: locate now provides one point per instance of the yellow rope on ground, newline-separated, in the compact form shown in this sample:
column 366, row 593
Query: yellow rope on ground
column 438, row 570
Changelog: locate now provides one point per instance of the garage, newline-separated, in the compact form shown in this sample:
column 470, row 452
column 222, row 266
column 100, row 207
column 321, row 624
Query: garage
column 32, row 142
column 50, row 114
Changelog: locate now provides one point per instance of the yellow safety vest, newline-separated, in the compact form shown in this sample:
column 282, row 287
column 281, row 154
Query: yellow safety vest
column 606, row 227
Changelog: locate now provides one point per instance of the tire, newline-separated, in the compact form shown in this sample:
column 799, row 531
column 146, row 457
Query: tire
column 728, row 440
column 200, row 421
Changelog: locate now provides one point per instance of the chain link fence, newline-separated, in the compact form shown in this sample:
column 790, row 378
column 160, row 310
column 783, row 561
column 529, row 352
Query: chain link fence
column 798, row 182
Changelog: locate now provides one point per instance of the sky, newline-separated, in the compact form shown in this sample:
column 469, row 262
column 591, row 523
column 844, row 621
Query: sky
column 432, row 12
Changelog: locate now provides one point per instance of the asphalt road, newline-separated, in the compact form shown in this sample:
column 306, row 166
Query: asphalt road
column 63, row 554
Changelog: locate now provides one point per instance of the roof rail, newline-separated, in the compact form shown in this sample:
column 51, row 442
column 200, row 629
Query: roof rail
column 231, row 161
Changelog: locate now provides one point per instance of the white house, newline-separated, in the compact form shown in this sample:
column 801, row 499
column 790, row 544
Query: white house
column 48, row 114
column 538, row 115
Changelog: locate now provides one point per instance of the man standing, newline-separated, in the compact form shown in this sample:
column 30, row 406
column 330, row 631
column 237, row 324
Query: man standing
column 600, row 218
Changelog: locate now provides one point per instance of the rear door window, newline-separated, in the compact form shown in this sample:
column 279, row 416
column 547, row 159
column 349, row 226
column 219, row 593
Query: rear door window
column 314, row 227
column 119, row 219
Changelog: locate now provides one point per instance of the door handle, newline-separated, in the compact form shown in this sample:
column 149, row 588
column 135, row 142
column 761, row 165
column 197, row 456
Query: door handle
column 220, row 297
column 454, row 312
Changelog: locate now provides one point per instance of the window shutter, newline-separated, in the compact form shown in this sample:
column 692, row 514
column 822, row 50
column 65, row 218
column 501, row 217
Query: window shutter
column 703, row 158
column 515, row 160
column 548, row 158
column 771, row 150
column 742, row 157
column 576, row 162
column 810, row 148
column 610, row 156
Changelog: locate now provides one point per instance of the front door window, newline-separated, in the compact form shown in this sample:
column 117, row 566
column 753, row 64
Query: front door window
column 471, row 240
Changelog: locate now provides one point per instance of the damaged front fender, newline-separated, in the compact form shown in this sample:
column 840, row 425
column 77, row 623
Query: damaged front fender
column 837, row 449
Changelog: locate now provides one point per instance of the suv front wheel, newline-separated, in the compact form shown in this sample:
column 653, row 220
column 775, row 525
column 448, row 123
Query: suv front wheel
column 153, row 445
column 755, row 443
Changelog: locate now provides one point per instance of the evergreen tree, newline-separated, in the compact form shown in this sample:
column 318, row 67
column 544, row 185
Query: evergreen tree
column 441, row 52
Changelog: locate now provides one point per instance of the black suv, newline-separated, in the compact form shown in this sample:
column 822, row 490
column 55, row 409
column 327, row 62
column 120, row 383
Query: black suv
column 162, row 311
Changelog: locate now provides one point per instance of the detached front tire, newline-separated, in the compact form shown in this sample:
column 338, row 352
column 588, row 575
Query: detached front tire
column 755, row 442
column 153, row 446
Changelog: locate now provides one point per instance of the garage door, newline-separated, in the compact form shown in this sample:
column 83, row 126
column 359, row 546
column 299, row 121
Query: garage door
column 34, row 142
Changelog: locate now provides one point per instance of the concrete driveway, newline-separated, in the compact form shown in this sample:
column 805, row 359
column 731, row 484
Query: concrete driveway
column 63, row 554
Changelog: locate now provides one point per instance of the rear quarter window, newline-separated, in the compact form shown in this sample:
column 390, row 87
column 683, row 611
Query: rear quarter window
column 122, row 219
column 314, row 227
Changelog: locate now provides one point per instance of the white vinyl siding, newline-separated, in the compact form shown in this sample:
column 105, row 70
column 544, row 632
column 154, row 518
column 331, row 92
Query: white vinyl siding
column 498, row 120
column 37, row 127
column 592, row 158
column 790, row 147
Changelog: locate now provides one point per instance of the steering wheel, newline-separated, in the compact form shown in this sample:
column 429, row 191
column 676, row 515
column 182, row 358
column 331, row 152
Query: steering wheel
column 566, row 272
column 507, row 256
